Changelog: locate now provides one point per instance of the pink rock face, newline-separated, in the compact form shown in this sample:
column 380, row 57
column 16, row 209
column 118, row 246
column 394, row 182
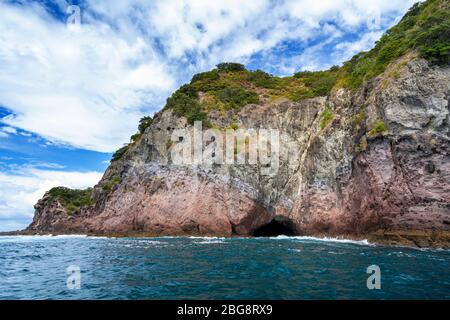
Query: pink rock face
column 174, row 203
column 390, row 188
column 178, row 203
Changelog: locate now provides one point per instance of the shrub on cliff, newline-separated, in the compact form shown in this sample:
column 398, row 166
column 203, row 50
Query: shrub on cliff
column 184, row 103
column 144, row 123
column 119, row 153
column 71, row 199
column 301, row 93
column 326, row 117
column 320, row 82
column 379, row 128
column 230, row 67
column 135, row 137
column 435, row 42
column 263, row 79
column 211, row 86
column 223, row 91
column 235, row 97
column 110, row 183
column 206, row 76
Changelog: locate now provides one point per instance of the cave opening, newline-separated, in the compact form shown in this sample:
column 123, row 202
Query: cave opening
column 279, row 226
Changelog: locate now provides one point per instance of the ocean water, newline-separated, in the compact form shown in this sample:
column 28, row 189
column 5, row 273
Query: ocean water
column 216, row 268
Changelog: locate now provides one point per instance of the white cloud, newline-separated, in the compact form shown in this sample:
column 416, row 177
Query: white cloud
column 309, row 59
column 349, row 49
column 9, row 130
column 88, row 88
column 84, row 88
column 22, row 188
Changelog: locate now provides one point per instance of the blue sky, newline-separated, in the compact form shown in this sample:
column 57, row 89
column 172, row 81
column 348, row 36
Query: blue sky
column 71, row 95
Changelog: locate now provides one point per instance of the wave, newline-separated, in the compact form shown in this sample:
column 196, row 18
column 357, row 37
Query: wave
column 193, row 237
column 46, row 237
column 204, row 239
column 207, row 239
column 143, row 244
column 210, row 241
column 363, row 242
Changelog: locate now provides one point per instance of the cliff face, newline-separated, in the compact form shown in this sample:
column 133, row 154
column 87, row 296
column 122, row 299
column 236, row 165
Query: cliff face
column 381, row 163
column 364, row 150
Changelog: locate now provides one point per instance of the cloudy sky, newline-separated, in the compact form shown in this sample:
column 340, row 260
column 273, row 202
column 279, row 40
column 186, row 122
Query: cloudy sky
column 70, row 94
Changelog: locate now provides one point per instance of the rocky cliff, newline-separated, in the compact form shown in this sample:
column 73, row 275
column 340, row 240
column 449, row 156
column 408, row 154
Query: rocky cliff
column 368, row 159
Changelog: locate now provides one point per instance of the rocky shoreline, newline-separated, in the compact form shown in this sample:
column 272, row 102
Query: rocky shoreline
column 411, row 239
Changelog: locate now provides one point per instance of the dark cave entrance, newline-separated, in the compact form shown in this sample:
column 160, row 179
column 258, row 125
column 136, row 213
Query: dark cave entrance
column 279, row 226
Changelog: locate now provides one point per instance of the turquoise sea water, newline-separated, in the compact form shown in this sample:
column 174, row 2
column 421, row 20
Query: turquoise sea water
column 217, row 268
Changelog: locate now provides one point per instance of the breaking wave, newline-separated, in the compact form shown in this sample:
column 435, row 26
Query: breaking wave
column 363, row 242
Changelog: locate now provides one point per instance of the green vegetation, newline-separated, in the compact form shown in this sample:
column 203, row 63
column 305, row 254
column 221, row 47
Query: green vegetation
column 211, row 86
column 223, row 88
column 358, row 119
column 184, row 103
column 111, row 183
column 71, row 200
column 235, row 97
column 263, row 79
column 212, row 75
column 120, row 153
column 135, row 137
column 326, row 118
column 234, row 126
column 362, row 145
column 230, row 67
column 431, row 33
column 169, row 144
column 378, row 128
column 425, row 29
column 144, row 123
column 321, row 82
column 301, row 94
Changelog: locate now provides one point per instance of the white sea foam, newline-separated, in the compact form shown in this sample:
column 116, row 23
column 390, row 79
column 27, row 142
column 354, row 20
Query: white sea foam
column 281, row 237
column 23, row 238
column 189, row 237
column 207, row 238
column 336, row 253
column 324, row 239
column 210, row 241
